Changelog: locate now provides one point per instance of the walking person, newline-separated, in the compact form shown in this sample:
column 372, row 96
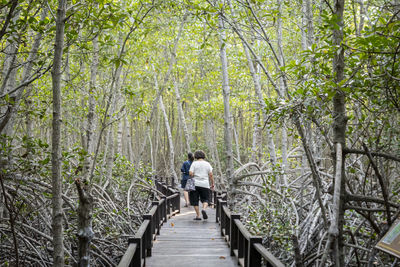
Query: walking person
column 185, row 176
column 201, row 171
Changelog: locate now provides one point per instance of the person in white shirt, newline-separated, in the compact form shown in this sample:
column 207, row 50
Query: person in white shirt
column 201, row 172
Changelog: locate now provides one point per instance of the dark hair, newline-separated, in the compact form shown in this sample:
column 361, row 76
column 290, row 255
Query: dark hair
column 190, row 156
column 199, row 154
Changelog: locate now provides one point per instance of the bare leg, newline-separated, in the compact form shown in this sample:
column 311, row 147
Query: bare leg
column 186, row 195
column 205, row 205
column 196, row 208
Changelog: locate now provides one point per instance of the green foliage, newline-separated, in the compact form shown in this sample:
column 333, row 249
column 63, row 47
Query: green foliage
column 32, row 158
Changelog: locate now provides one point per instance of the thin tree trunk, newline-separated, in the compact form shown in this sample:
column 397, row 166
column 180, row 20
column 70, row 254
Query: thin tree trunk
column 284, row 137
column 182, row 117
column 256, row 139
column 129, row 151
column 237, row 146
column 156, row 139
column 28, row 120
column 85, row 231
column 339, row 138
column 91, row 113
column 110, row 141
column 119, row 102
column 335, row 238
column 109, row 159
column 13, row 5
column 169, row 137
column 58, row 252
column 9, row 68
column 120, row 136
column 227, row 115
column 362, row 18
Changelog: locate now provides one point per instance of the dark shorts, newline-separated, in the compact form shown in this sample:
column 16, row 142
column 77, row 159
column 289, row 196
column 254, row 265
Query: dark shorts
column 183, row 183
column 201, row 193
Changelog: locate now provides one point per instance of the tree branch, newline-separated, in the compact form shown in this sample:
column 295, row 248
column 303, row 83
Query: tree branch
column 375, row 154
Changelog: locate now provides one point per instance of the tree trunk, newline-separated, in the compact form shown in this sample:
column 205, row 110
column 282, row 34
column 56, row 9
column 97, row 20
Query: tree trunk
column 58, row 252
column 256, row 140
column 129, row 152
column 91, row 113
column 182, row 117
column 170, row 141
column 109, row 159
column 28, row 120
column 284, row 137
column 85, row 231
column 237, row 146
column 120, row 136
column 9, row 67
column 362, row 18
column 227, row 115
column 335, row 240
column 110, row 141
column 156, row 140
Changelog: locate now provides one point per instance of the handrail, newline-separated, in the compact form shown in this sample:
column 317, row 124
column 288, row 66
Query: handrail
column 127, row 258
column 140, row 245
column 274, row 262
column 248, row 249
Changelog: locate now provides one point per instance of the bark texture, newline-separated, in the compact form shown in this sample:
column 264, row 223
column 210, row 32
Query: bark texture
column 227, row 114
column 339, row 139
column 58, row 253
column 85, row 231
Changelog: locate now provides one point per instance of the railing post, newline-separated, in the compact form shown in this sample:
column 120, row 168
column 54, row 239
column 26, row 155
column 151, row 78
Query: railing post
column 156, row 219
column 168, row 206
column 233, row 235
column 213, row 198
column 226, row 195
column 246, row 251
column 158, row 184
column 137, row 257
column 217, row 210
column 178, row 202
column 253, row 257
column 223, row 217
column 162, row 189
column 148, row 235
column 164, row 209
column 241, row 241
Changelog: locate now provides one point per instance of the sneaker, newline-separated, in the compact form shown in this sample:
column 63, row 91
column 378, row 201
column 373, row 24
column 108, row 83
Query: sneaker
column 205, row 217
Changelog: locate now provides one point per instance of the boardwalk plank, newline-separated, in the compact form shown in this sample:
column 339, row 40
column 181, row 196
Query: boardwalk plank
column 184, row 242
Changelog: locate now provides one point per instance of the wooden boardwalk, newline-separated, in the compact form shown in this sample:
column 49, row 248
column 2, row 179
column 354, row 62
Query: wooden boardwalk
column 185, row 242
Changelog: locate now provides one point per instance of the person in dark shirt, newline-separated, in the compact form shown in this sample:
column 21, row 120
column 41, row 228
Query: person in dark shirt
column 185, row 176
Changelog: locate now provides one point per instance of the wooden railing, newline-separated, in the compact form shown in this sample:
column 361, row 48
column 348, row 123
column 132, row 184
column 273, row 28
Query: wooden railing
column 248, row 249
column 140, row 245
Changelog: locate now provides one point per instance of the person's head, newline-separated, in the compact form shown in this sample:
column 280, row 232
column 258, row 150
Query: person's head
column 190, row 156
column 199, row 154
